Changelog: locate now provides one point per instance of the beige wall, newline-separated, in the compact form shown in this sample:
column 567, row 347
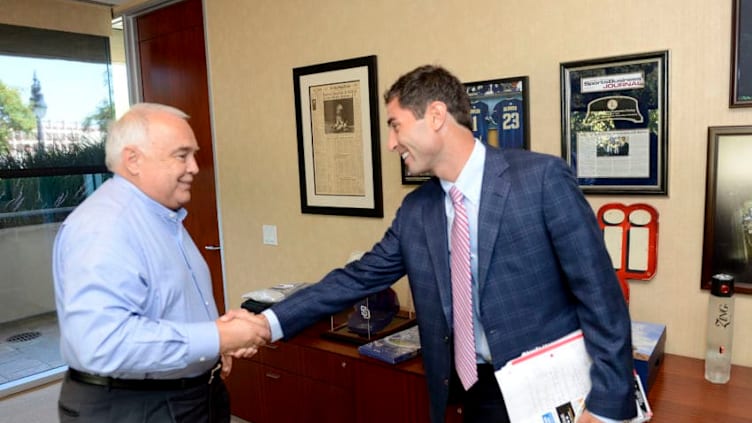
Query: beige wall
column 60, row 15
column 253, row 47
column 26, row 284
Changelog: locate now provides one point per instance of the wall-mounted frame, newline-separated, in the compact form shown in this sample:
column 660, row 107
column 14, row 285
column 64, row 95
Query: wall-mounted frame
column 727, row 245
column 499, row 109
column 339, row 162
column 741, row 55
column 615, row 123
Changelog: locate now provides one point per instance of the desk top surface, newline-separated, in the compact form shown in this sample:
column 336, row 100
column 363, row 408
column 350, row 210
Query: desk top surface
column 681, row 394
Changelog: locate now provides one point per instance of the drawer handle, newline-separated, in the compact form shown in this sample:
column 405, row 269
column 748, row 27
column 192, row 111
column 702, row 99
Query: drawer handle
column 273, row 375
column 271, row 346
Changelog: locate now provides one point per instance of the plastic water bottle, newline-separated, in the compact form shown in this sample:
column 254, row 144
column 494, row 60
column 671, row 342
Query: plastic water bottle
column 720, row 329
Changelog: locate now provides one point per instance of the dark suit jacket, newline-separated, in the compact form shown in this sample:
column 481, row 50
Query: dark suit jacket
column 543, row 272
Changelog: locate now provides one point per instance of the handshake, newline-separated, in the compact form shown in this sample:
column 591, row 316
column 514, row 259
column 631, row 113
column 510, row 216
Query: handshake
column 241, row 333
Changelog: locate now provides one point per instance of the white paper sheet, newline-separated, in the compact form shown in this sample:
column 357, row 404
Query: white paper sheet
column 550, row 383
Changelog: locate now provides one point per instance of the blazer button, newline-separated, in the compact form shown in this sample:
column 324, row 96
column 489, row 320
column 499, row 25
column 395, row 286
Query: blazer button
column 446, row 382
column 446, row 339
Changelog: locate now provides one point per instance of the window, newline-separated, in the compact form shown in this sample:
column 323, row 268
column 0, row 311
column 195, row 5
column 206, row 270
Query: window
column 56, row 100
column 55, row 104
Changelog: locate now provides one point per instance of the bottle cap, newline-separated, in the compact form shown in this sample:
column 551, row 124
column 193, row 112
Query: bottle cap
column 722, row 285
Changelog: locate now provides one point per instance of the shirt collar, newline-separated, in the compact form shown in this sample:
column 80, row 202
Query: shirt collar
column 157, row 208
column 471, row 176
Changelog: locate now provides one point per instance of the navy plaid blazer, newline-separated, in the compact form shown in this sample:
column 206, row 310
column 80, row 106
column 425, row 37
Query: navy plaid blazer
column 543, row 271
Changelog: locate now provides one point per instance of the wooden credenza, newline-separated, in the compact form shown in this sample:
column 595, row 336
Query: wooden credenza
column 311, row 379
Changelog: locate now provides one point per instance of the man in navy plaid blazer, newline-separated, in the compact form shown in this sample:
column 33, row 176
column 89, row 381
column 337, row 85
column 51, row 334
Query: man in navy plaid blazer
column 540, row 267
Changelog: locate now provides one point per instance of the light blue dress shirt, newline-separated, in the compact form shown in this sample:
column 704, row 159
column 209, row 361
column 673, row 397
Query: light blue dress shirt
column 469, row 183
column 133, row 293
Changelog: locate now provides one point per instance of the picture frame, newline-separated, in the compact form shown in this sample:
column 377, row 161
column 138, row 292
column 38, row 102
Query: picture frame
column 614, row 123
column 741, row 55
column 727, row 242
column 499, row 109
column 339, row 161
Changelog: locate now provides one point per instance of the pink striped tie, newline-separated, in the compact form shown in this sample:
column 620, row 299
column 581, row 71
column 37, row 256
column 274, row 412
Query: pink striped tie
column 464, row 338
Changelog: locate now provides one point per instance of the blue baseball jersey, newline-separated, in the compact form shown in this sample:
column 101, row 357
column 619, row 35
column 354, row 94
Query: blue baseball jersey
column 509, row 114
column 479, row 115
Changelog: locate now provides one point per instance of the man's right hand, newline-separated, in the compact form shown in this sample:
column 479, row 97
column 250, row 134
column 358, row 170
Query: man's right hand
column 242, row 332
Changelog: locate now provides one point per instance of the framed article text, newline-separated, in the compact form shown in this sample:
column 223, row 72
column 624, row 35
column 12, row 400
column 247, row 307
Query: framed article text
column 614, row 123
column 339, row 163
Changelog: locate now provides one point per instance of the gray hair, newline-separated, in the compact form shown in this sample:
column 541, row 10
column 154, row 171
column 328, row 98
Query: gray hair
column 133, row 129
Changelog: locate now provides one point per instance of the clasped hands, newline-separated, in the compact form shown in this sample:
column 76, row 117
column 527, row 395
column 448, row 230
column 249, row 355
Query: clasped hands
column 241, row 333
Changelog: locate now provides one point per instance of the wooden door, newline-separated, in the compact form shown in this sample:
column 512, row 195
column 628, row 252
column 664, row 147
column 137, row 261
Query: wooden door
column 173, row 71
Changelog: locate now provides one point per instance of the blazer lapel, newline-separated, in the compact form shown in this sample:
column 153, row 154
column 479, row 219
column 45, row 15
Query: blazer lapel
column 494, row 193
column 435, row 223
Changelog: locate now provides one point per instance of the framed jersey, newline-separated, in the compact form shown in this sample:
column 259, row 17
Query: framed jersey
column 499, row 111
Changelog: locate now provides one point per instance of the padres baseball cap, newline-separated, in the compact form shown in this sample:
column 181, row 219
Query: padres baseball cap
column 373, row 313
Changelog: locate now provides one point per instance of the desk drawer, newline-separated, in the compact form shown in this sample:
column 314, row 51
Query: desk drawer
column 327, row 367
column 281, row 355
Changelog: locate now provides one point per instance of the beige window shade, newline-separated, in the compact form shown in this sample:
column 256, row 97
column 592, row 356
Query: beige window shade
column 44, row 43
column 60, row 15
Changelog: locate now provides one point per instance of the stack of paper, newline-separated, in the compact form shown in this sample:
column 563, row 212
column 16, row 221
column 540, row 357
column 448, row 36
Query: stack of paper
column 550, row 383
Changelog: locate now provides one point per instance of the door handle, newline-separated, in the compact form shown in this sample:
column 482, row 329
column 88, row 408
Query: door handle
column 212, row 247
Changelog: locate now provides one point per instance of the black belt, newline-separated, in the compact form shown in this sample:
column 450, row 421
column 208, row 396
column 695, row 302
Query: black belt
column 146, row 384
column 485, row 369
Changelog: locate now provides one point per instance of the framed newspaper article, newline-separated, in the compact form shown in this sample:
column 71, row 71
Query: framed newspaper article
column 615, row 123
column 339, row 163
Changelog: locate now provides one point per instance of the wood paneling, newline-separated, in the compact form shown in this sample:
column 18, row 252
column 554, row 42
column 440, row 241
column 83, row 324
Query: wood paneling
column 172, row 56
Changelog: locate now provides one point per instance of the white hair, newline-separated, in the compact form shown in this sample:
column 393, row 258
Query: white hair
column 133, row 129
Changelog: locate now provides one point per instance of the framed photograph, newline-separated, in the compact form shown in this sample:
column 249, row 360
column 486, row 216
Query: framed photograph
column 615, row 123
column 741, row 55
column 499, row 109
column 336, row 110
column 727, row 245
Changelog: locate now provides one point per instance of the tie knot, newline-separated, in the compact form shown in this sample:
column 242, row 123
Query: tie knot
column 455, row 195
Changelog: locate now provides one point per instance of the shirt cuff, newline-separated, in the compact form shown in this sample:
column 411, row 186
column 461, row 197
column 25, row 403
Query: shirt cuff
column 605, row 419
column 203, row 341
column 274, row 325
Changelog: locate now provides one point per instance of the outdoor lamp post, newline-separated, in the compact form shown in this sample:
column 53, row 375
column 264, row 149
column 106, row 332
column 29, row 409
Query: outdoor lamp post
column 40, row 109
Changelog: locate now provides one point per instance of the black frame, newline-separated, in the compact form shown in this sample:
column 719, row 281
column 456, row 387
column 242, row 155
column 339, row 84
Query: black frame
column 612, row 105
column 492, row 92
column 728, row 188
column 741, row 55
column 362, row 72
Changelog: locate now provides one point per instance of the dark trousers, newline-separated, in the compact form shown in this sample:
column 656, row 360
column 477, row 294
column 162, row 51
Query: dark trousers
column 483, row 402
column 84, row 403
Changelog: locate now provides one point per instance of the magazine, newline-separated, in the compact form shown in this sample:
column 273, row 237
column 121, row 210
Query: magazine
column 550, row 383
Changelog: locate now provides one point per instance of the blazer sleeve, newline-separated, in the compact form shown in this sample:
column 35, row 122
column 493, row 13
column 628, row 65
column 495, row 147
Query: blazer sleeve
column 601, row 307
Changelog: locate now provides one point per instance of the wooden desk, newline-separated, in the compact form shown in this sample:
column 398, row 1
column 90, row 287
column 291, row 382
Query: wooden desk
column 682, row 395
column 324, row 379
